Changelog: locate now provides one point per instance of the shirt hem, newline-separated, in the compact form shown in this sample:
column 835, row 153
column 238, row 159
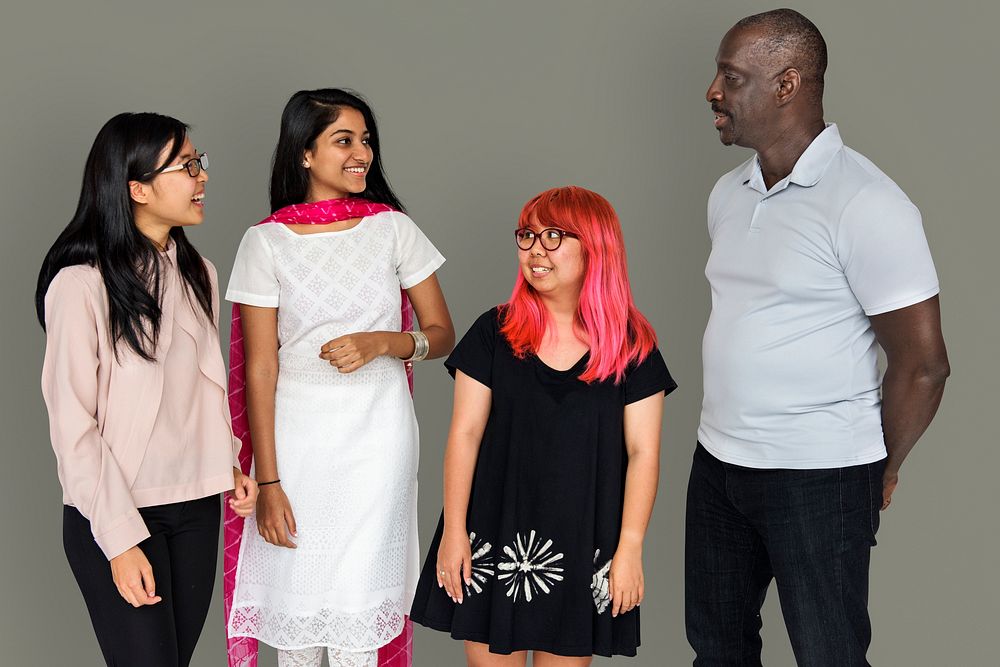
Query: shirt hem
column 235, row 296
column 868, row 455
column 904, row 302
column 179, row 494
column 425, row 272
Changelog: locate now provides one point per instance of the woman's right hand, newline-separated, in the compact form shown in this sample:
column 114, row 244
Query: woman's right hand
column 133, row 576
column 275, row 521
column 454, row 563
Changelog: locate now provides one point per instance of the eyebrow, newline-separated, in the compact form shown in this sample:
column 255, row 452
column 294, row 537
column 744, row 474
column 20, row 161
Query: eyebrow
column 187, row 156
column 346, row 131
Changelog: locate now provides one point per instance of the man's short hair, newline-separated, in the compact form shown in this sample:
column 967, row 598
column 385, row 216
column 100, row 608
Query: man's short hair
column 791, row 40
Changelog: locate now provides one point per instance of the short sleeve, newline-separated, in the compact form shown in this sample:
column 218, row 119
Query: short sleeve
column 416, row 257
column 647, row 378
column 883, row 250
column 474, row 353
column 254, row 281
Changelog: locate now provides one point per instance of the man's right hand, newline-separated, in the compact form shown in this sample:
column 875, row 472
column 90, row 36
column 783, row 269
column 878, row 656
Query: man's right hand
column 133, row 576
column 275, row 521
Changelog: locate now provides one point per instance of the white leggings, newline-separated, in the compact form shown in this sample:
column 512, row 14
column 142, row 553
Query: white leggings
column 313, row 657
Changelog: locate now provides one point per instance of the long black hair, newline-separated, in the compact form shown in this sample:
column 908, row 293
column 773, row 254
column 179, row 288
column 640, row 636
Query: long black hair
column 103, row 233
column 306, row 115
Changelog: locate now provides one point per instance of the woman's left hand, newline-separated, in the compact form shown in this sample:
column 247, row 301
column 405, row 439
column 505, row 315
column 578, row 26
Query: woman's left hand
column 244, row 496
column 349, row 353
column 625, row 580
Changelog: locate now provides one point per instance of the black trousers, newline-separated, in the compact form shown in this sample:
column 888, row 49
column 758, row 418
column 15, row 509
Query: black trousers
column 182, row 548
column 811, row 531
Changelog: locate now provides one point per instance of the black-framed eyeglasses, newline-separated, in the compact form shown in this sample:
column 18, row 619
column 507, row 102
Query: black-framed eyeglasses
column 194, row 166
column 550, row 237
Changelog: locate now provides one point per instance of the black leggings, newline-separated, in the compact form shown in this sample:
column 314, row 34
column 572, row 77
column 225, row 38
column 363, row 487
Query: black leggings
column 182, row 548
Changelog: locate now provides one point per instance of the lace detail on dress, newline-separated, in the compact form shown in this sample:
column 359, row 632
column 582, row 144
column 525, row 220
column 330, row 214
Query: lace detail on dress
column 301, row 657
column 313, row 657
column 337, row 284
column 363, row 631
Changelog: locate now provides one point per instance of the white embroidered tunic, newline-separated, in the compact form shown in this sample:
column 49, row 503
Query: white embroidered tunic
column 346, row 444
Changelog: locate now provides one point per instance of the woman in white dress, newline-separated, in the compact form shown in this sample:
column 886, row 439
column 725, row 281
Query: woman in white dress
column 330, row 558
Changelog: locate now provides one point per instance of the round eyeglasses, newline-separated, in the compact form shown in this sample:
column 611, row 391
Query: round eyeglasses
column 550, row 237
column 194, row 166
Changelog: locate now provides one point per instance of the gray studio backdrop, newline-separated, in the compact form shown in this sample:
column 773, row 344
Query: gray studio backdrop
column 481, row 106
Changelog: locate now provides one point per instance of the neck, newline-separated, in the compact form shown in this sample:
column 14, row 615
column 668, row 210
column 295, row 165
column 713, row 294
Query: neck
column 778, row 157
column 562, row 308
column 315, row 194
column 157, row 232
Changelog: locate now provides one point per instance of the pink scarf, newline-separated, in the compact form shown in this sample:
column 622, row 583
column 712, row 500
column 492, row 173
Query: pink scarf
column 243, row 650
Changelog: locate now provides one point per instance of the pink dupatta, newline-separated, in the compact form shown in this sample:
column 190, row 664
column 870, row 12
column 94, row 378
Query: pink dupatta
column 243, row 650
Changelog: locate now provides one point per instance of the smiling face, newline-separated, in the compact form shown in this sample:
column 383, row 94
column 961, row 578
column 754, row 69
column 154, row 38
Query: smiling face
column 173, row 199
column 558, row 272
column 339, row 159
column 743, row 93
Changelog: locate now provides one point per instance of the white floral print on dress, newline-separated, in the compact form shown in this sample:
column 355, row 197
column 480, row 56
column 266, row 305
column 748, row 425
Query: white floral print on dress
column 600, row 586
column 482, row 564
column 531, row 567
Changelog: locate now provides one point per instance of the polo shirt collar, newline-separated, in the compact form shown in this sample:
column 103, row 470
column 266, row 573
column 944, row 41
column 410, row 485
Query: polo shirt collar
column 810, row 166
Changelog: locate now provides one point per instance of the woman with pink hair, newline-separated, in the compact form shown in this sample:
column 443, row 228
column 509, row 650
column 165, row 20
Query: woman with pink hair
column 553, row 454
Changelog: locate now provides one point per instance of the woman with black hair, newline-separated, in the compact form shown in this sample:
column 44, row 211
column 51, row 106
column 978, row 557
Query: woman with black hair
column 135, row 387
column 320, row 338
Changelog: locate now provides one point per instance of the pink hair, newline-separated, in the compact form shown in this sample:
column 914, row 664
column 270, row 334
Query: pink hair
column 619, row 334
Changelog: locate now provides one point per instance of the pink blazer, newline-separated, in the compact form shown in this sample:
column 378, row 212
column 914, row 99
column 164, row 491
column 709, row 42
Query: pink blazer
column 102, row 409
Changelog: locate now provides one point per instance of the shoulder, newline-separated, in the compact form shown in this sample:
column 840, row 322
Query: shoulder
column 652, row 358
column 867, row 184
column 77, row 280
column 401, row 222
column 734, row 177
column 264, row 232
column 262, row 237
column 76, row 290
column 487, row 325
column 878, row 199
column 213, row 273
column 491, row 319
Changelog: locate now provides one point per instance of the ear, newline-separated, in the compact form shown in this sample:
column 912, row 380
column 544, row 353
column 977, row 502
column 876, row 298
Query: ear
column 139, row 192
column 307, row 158
column 789, row 84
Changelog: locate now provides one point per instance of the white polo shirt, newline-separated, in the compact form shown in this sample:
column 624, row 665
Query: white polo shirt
column 790, row 361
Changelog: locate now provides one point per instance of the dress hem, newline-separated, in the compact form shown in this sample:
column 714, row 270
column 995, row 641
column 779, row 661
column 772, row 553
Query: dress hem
column 565, row 651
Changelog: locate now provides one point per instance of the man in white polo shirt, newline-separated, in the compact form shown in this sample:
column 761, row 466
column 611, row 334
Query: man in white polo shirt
column 817, row 257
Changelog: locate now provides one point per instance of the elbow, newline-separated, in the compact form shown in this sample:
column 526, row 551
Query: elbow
column 932, row 373
column 938, row 373
column 444, row 340
column 448, row 342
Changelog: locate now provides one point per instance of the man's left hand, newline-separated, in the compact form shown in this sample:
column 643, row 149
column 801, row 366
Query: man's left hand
column 889, row 483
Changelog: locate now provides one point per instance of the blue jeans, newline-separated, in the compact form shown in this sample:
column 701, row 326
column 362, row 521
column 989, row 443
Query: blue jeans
column 810, row 530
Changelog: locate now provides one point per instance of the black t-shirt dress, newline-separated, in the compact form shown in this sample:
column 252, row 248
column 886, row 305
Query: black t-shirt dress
column 545, row 510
